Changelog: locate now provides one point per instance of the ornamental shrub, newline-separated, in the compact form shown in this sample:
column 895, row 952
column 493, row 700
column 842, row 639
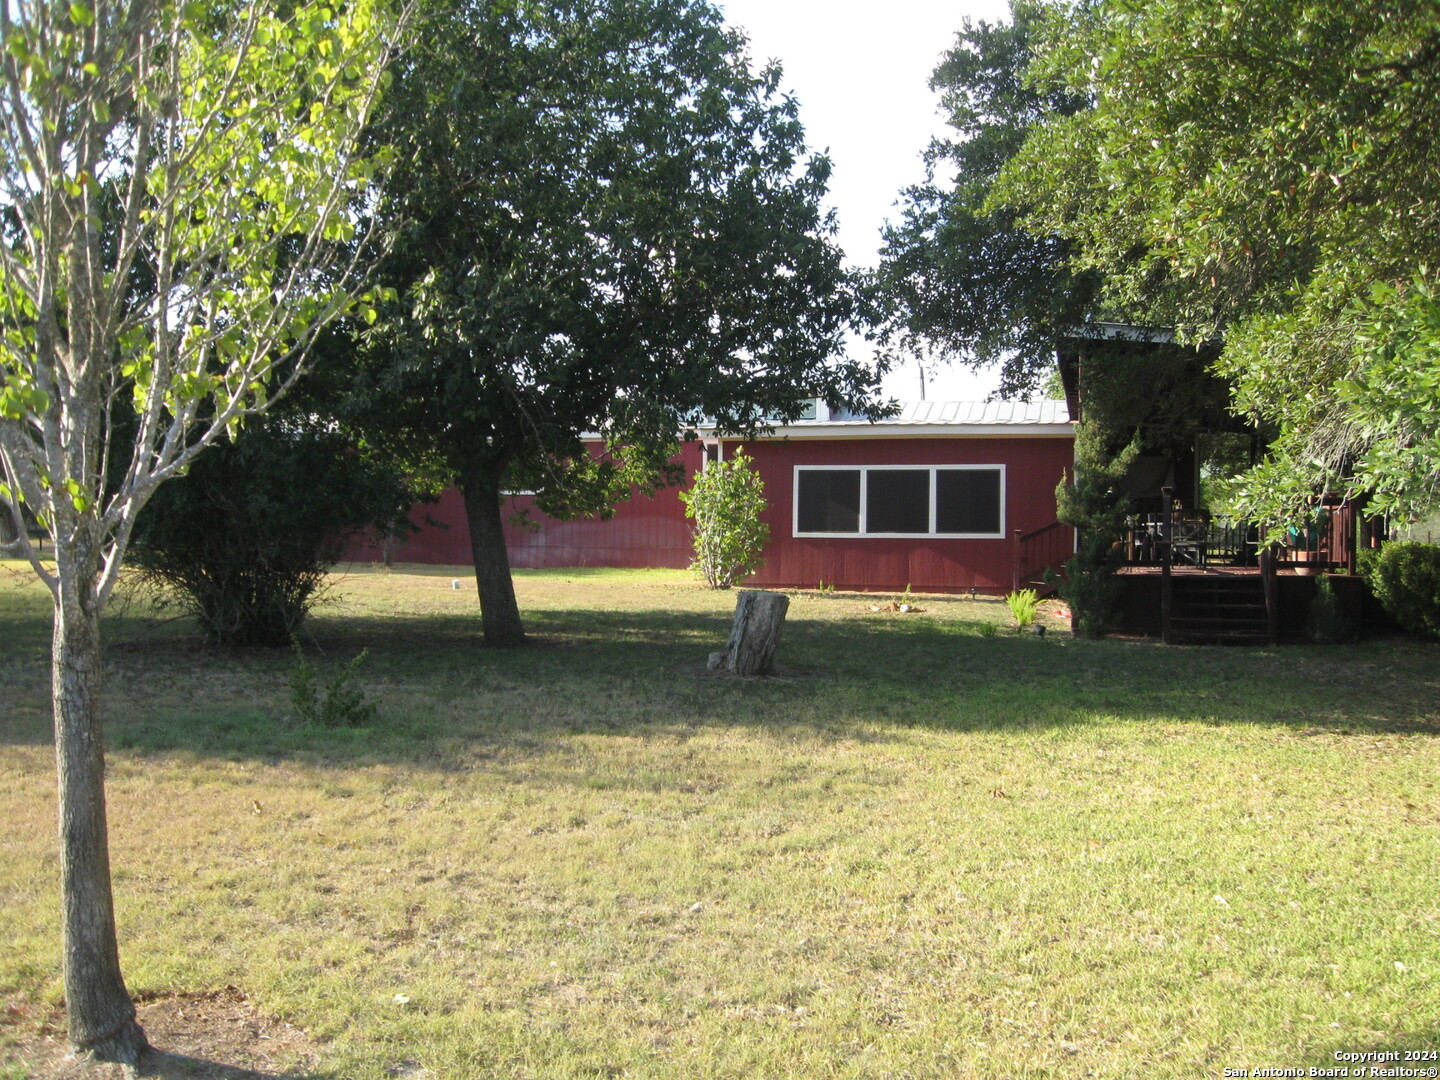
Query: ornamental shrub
column 1405, row 578
column 244, row 540
column 1093, row 503
column 725, row 502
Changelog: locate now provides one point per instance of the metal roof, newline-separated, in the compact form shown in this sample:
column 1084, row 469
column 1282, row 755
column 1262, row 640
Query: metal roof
column 940, row 419
column 961, row 414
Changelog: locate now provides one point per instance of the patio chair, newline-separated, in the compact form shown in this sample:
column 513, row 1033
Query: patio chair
column 1189, row 533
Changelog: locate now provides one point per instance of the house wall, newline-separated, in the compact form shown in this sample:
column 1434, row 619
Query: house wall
column 645, row 532
column 654, row 532
column 1033, row 467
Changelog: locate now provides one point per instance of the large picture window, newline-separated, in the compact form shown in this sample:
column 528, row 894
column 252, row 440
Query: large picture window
column 900, row 500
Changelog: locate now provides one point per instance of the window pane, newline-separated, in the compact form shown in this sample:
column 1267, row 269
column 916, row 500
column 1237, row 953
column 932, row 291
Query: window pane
column 829, row 501
column 967, row 501
column 897, row 501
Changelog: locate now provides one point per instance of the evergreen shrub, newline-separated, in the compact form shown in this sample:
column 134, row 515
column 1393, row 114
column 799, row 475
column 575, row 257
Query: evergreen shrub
column 1405, row 578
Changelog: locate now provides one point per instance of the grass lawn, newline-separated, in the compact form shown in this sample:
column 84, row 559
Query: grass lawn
column 924, row 851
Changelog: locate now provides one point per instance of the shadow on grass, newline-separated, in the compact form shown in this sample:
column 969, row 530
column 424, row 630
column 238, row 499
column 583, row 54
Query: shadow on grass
column 165, row 1066
column 642, row 672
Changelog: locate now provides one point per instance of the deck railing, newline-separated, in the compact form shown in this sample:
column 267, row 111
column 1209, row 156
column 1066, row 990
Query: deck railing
column 1193, row 538
column 1039, row 550
column 1326, row 542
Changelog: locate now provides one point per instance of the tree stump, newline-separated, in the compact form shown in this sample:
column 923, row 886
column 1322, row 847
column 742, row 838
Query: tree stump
column 759, row 617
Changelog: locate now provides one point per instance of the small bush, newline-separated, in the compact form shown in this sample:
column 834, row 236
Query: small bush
column 725, row 503
column 1405, row 578
column 1365, row 561
column 342, row 703
column 1328, row 624
column 244, row 541
column 1023, row 606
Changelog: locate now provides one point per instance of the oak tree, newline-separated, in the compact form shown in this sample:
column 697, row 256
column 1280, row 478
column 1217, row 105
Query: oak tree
column 1266, row 170
column 960, row 277
column 613, row 225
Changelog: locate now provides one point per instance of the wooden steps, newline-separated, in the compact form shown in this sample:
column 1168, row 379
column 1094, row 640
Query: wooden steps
column 1218, row 611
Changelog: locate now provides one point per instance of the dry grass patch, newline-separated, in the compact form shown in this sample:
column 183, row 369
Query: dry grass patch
column 928, row 853
column 217, row 1035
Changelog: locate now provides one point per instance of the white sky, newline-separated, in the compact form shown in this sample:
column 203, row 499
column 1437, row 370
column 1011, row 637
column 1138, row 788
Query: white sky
column 860, row 72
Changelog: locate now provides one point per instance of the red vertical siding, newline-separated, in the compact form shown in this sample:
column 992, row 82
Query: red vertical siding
column 654, row 532
column 645, row 532
column 1033, row 467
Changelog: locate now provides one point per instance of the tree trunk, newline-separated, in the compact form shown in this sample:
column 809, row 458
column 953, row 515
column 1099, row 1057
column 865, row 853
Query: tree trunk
column 499, row 611
column 101, row 1014
column 8, row 533
column 759, row 618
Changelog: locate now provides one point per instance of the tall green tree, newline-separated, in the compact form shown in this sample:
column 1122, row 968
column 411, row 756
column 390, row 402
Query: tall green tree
column 960, row 277
column 613, row 226
column 1266, row 169
column 175, row 182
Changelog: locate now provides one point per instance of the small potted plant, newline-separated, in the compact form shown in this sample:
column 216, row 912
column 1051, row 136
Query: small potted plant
column 1304, row 543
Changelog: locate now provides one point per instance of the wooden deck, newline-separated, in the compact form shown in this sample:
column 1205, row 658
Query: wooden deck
column 1191, row 579
column 1228, row 604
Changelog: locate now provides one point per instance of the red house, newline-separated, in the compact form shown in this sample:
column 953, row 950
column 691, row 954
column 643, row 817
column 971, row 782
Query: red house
column 946, row 496
column 943, row 497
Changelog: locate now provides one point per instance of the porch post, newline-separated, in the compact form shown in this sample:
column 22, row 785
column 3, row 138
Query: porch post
column 1272, row 592
column 1167, row 594
column 1352, row 535
column 1015, row 562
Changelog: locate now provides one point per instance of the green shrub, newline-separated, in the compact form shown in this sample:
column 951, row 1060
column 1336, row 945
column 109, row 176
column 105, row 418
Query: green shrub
column 1094, row 504
column 1365, row 560
column 243, row 541
column 1023, row 606
column 725, row 503
column 342, row 703
column 1328, row 623
column 1405, row 578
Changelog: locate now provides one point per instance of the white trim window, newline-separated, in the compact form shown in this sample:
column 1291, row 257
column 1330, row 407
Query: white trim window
column 960, row 502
